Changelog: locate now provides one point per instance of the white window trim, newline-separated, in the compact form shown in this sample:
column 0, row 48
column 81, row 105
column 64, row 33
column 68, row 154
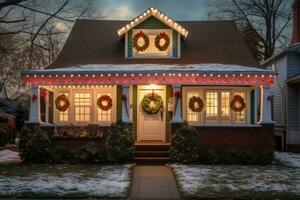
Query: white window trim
column 94, row 112
column 202, row 89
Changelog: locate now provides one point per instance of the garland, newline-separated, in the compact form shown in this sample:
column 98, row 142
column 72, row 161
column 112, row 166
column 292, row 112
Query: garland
column 237, row 104
column 152, row 103
column 196, row 104
column 136, row 37
column 166, row 44
column 107, row 99
column 62, row 103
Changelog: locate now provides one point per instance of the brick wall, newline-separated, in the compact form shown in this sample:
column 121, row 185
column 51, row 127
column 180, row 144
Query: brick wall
column 221, row 138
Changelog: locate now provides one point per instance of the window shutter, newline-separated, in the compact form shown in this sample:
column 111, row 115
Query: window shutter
column 252, row 107
column 50, row 106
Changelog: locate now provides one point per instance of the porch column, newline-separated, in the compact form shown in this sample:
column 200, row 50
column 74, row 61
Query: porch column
column 265, row 106
column 35, row 107
column 126, row 103
column 177, row 105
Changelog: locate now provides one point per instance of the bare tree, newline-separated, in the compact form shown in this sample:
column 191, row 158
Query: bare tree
column 266, row 20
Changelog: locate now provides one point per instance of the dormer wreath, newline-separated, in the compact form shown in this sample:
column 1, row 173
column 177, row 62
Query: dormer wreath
column 136, row 38
column 166, row 44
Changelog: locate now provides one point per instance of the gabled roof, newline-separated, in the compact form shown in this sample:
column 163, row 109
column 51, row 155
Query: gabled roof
column 157, row 14
column 95, row 42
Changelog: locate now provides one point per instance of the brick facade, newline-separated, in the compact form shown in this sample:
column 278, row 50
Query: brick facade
column 223, row 137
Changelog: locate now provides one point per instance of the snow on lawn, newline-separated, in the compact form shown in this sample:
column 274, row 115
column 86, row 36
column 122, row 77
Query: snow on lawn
column 289, row 159
column 8, row 156
column 215, row 181
column 73, row 181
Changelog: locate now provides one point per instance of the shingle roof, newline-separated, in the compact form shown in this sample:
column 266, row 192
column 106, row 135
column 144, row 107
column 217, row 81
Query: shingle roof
column 97, row 42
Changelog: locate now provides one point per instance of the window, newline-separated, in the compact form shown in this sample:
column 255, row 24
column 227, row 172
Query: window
column 211, row 106
column 217, row 106
column 104, row 115
column 83, row 104
column 63, row 116
column 192, row 116
column 152, row 51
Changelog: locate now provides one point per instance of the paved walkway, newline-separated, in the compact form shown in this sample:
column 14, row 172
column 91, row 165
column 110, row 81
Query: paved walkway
column 153, row 182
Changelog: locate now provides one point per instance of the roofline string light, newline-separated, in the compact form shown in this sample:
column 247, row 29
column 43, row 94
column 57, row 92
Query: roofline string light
column 150, row 78
column 156, row 13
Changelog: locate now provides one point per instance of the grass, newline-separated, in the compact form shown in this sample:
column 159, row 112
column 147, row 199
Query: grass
column 48, row 181
column 237, row 182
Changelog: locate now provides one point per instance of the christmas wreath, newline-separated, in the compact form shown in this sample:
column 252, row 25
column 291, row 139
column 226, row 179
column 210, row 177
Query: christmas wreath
column 145, row 45
column 62, row 103
column 104, row 102
column 237, row 104
column 152, row 103
column 166, row 44
column 196, row 104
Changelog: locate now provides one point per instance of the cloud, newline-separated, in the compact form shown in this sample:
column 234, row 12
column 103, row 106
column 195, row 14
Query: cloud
column 122, row 12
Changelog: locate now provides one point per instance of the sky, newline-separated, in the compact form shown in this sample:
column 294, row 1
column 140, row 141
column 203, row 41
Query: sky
column 176, row 9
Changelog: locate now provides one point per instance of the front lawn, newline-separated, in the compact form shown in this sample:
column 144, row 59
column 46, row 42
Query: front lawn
column 230, row 182
column 65, row 181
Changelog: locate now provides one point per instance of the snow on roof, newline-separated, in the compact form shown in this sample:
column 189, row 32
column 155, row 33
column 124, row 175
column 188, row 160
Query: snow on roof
column 152, row 68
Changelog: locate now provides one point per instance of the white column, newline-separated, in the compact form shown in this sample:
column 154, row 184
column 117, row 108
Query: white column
column 35, row 108
column 265, row 106
column 177, row 107
column 126, row 104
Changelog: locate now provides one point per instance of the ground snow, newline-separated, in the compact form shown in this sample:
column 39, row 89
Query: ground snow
column 8, row 156
column 98, row 181
column 214, row 180
column 289, row 159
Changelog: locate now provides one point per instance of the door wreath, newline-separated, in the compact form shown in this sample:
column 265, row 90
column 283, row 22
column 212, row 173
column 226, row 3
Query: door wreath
column 196, row 104
column 165, row 37
column 152, row 103
column 145, row 38
column 237, row 104
column 104, row 102
column 62, row 103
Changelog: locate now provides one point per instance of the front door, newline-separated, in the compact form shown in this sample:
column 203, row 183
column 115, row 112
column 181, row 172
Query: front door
column 151, row 127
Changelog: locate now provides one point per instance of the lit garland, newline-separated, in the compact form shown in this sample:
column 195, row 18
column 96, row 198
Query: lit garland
column 102, row 80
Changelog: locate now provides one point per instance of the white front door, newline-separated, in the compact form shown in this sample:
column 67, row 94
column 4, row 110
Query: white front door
column 151, row 127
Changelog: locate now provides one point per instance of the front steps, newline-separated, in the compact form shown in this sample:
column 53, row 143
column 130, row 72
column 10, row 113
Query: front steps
column 152, row 153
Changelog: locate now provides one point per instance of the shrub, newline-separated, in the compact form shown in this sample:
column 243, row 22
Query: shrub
column 184, row 146
column 120, row 143
column 90, row 153
column 34, row 145
column 208, row 156
column 60, row 153
column 4, row 134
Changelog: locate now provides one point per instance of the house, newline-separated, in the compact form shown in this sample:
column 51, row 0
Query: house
column 285, row 93
column 3, row 93
column 156, row 73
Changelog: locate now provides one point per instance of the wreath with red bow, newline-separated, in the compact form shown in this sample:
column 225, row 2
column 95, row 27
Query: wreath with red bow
column 145, row 45
column 237, row 104
column 152, row 103
column 166, row 44
column 62, row 103
column 104, row 102
column 196, row 104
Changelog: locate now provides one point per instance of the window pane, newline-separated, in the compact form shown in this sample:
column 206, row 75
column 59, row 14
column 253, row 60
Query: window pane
column 63, row 116
column 211, row 105
column 104, row 115
column 192, row 116
column 225, row 107
column 240, row 117
column 83, row 106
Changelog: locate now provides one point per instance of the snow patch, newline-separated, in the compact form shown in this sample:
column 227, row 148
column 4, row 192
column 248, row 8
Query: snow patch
column 8, row 156
column 289, row 159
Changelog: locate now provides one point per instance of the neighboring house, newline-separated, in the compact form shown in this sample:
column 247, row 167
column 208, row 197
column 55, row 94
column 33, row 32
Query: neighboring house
column 285, row 93
column 3, row 93
column 156, row 73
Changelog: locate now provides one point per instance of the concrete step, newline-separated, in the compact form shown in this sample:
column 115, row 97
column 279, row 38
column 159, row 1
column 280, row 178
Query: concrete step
column 152, row 147
column 152, row 153
column 151, row 160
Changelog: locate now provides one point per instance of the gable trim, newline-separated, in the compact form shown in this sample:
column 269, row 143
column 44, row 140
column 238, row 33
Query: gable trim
column 158, row 15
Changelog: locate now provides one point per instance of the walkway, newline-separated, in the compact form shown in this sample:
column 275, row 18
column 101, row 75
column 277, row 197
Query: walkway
column 153, row 182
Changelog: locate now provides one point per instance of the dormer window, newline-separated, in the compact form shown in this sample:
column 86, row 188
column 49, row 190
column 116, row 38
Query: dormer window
column 152, row 43
column 152, row 35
